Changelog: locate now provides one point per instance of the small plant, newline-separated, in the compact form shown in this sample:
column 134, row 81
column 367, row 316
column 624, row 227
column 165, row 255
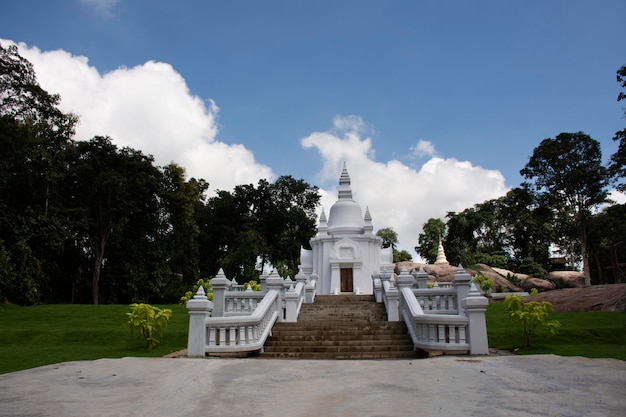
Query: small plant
column 533, row 315
column 253, row 285
column 148, row 320
column 534, row 291
column 483, row 282
column 513, row 279
column 204, row 283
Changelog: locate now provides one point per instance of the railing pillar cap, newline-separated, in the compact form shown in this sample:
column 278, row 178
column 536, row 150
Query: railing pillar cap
column 200, row 294
column 220, row 280
column 461, row 277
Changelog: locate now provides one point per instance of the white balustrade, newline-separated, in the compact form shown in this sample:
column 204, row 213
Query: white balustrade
column 241, row 303
column 243, row 333
column 442, row 332
column 437, row 300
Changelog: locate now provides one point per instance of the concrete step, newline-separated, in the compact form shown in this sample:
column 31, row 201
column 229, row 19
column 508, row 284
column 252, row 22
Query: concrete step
column 340, row 327
column 341, row 355
column 337, row 349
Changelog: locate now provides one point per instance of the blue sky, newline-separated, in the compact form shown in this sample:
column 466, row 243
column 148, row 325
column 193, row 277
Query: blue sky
column 434, row 105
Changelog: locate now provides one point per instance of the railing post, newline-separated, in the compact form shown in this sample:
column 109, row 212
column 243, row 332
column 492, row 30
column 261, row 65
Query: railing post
column 275, row 282
column 262, row 280
column 404, row 280
column 475, row 306
column 219, row 284
column 462, row 281
column 300, row 277
column 291, row 305
column 376, row 287
column 199, row 309
column 310, row 289
column 421, row 278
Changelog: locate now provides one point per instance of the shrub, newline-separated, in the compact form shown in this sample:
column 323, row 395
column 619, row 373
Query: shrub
column 254, row 285
column 204, row 283
column 148, row 320
column 483, row 282
column 533, row 315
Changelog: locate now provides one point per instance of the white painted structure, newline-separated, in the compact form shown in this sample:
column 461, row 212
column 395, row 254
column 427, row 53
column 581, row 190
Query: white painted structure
column 345, row 257
column 345, row 252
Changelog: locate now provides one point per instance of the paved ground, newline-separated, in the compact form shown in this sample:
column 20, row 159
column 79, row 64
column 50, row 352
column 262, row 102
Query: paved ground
column 450, row 386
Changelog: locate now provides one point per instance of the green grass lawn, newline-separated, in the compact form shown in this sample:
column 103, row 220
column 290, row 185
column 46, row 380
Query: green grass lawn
column 46, row 334
column 592, row 334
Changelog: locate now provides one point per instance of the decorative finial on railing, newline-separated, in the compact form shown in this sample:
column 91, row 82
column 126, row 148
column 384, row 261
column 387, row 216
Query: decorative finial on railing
column 200, row 294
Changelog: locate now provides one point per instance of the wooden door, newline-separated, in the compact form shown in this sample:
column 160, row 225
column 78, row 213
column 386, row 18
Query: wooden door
column 346, row 280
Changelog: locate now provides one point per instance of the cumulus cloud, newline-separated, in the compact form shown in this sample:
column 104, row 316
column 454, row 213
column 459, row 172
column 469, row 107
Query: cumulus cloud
column 400, row 196
column 423, row 148
column 148, row 107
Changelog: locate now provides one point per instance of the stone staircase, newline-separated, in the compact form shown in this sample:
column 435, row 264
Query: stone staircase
column 341, row 327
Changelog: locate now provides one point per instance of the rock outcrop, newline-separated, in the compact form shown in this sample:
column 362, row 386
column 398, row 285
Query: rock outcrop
column 567, row 279
column 610, row 297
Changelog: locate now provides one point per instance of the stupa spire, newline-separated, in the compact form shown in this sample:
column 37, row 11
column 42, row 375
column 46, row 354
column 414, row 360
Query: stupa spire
column 441, row 255
column 345, row 192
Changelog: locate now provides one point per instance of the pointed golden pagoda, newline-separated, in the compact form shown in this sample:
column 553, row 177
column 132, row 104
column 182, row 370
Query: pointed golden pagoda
column 441, row 255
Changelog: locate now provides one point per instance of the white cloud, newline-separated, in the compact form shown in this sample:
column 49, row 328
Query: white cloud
column 103, row 6
column 148, row 107
column 423, row 148
column 399, row 196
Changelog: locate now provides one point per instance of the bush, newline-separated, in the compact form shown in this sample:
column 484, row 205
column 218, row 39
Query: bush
column 483, row 282
column 148, row 320
column 204, row 283
column 254, row 285
column 533, row 315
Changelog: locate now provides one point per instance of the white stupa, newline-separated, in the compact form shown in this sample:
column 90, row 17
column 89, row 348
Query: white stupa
column 441, row 255
column 345, row 252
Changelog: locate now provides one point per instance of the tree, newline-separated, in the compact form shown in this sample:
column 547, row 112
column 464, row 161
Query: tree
column 432, row 231
column 389, row 237
column 567, row 172
column 264, row 224
column 617, row 167
column 390, row 240
column 115, row 192
column 34, row 138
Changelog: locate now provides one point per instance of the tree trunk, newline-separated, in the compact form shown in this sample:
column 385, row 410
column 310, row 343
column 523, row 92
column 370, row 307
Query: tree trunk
column 583, row 249
column 97, row 266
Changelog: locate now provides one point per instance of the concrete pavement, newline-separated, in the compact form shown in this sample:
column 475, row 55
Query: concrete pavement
column 542, row 385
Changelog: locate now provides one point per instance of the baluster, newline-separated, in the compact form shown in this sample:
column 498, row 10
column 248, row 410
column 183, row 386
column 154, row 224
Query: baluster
column 441, row 337
column 461, row 334
column 453, row 334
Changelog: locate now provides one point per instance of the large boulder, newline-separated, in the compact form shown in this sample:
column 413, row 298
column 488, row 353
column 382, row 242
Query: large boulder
column 567, row 279
column 499, row 282
column 610, row 297
column 441, row 273
column 537, row 283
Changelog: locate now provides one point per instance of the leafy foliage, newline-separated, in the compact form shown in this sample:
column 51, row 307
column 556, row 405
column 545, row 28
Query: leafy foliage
column 148, row 320
column 567, row 172
column 484, row 283
column 204, row 283
column 532, row 315
column 617, row 167
column 428, row 240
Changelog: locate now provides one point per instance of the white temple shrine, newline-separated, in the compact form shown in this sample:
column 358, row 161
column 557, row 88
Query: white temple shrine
column 345, row 252
column 345, row 258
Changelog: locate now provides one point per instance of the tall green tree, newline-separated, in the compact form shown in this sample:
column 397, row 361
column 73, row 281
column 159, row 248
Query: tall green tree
column 568, row 172
column 258, row 225
column 389, row 237
column 617, row 167
column 34, row 138
column 428, row 240
column 114, row 191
